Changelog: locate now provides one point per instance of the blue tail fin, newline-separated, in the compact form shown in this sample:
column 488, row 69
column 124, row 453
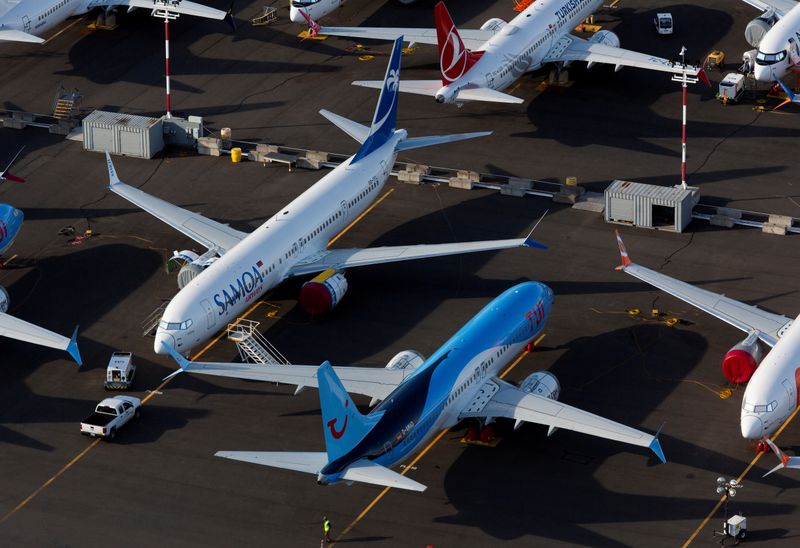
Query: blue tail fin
column 343, row 423
column 385, row 120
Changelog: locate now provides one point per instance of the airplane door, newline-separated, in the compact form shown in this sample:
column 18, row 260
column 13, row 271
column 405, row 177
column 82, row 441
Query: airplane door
column 210, row 318
column 26, row 23
column 789, row 389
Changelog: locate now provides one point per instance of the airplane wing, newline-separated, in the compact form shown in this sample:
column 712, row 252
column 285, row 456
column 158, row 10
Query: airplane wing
column 742, row 316
column 376, row 383
column 211, row 234
column 19, row 36
column 497, row 398
column 14, row 328
column 573, row 48
column 473, row 39
column 341, row 259
column 779, row 7
column 184, row 7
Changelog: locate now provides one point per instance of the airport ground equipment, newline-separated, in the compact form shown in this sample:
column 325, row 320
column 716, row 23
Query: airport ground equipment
column 731, row 88
column 663, row 23
column 268, row 15
column 120, row 371
column 650, row 206
column 252, row 345
column 123, row 134
column 110, row 415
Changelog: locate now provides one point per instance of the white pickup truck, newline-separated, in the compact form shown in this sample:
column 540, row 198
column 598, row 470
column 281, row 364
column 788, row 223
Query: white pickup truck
column 110, row 415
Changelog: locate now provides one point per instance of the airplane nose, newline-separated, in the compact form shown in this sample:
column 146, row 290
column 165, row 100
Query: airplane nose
column 162, row 338
column 752, row 428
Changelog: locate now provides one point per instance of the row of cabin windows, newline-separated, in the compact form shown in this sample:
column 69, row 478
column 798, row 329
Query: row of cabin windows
column 53, row 9
column 315, row 232
column 364, row 193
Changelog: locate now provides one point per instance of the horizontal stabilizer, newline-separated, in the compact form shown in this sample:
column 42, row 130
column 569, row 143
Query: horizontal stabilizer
column 19, row 36
column 487, row 95
column 431, row 87
column 311, row 463
column 357, row 131
column 420, row 142
column 366, row 471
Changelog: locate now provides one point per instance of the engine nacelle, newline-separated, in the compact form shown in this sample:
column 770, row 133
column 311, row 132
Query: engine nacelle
column 5, row 300
column 407, row 359
column 446, row 95
column 756, row 29
column 542, row 383
column 190, row 263
column 187, row 273
column 742, row 360
column 494, row 24
column 605, row 37
column 323, row 293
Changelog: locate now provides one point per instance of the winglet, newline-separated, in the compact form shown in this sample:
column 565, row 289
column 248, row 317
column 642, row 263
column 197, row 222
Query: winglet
column 72, row 348
column 790, row 96
column 783, row 457
column 229, row 17
column 6, row 176
column 112, row 173
column 530, row 242
column 622, row 252
column 313, row 26
column 183, row 363
column 655, row 446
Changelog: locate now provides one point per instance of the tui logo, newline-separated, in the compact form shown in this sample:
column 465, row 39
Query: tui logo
column 332, row 424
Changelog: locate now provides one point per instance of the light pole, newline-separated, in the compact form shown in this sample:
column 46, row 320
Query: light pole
column 684, row 79
column 162, row 12
column 726, row 488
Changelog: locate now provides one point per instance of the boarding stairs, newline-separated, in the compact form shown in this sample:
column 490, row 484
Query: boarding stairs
column 253, row 346
column 150, row 323
column 65, row 102
column 268, row 15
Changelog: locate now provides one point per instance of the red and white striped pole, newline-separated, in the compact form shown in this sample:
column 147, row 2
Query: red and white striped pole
column 166, row 58
column 684, row 79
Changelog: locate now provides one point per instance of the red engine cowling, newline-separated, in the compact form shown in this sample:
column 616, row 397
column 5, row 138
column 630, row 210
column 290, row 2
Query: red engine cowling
column 323, row 293
column 742, row 360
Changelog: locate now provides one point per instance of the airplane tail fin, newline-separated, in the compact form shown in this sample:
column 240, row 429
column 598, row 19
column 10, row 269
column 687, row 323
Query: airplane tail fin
column 454, row 59
column 384, row 122
column 342, row 422
column 6, row 176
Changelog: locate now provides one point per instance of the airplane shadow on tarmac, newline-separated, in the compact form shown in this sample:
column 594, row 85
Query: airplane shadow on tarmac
column 564, row 502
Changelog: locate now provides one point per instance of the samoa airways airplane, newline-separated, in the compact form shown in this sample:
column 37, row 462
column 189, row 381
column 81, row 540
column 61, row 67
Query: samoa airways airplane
column 476, row 65
column 420, row 398
column 11, row 327
column 238, row 268
column 776, row 34
column 771, row 394
column 26, row 21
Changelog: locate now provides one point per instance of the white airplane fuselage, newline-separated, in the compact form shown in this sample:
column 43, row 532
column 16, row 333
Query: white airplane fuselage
column 261, row 261
column 40, row 16
column 779, row 49
column 771, row 395
column 313, row 8
column 521, row 45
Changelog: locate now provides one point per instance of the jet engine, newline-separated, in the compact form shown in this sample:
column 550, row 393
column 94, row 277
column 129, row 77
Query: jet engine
column 542, row 383
column 4, row 300
column 446, row 95
column 742, row 360
column 494, row 24
column 323, row 293
column 605, row 37
column 407, row 359
column 756, row 29
column 190, row 263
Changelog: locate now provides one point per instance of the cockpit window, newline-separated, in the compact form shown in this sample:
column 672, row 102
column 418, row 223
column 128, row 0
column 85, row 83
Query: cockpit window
column 770, row 58
column 303, row 3
column 758, row 408
column 175, row 326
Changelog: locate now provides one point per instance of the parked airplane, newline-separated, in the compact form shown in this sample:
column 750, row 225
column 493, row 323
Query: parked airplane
column 317, row 9
column 475, row 65
column 786, row 460
column 11, row 327
column 771, row 394
column 27, row 21
column 420, row 397
column 776, row 33
column 219, row 285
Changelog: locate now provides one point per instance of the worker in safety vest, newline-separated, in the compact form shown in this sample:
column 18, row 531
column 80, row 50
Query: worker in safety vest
column 326, row 527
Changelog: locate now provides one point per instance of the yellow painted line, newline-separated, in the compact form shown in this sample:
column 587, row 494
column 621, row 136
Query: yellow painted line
column 739, row 479
column 14, row 256
column 62, row 31
column 51, row 480
column 428, row 447
column 370, row 208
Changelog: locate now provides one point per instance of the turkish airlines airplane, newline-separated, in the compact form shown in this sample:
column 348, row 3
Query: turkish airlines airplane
column 476, row 65
column 771, row 394
column 27, row 20
column 420, row 398
column 776, row 34
column 238, row 267
column 11, row 327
